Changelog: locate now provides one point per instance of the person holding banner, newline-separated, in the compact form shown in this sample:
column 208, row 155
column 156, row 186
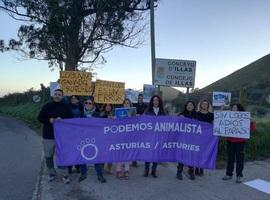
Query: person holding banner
column 235, row 151
column 204, row 114
column 189, row 112
column 140, row 108
column 119, row 174
column 77, row 112
column 107, row 112
column 50, row 112
column 155, row 108
column 90, row 111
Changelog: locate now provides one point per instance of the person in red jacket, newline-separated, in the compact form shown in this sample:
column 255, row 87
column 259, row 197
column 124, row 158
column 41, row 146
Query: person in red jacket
column 235, row 151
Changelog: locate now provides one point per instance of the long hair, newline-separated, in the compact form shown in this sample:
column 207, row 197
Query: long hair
column 160, row 104
column 185, row 111
column 127, row 99
column 239, row 106
column 210, row 109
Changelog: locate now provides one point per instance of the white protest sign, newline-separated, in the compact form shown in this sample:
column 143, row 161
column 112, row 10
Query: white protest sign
column 221, row 98
column 132, row 95
column 148, row 92
column 232, row 124
column 177, row 73
column 53, row 87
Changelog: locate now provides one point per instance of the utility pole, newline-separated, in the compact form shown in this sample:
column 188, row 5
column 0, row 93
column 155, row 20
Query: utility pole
column 152, row 32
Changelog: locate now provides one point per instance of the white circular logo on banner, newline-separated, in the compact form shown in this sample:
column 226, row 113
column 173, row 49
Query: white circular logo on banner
column 88, row 149
column 36, row 98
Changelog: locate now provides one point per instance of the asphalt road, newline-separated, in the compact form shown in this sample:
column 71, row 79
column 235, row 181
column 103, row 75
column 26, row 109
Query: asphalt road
column 20, row 159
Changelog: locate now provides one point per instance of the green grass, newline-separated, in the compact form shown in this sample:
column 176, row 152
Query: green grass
column 27, row 112
column 258, row 146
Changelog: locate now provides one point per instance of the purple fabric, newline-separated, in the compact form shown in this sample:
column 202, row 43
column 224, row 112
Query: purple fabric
column 142, row 138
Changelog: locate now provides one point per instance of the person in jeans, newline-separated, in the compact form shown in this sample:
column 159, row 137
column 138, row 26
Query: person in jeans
column 107, row 112
column 189, row 112
column 49, row 113
column 91, row 111
column 77, row 112
column 235, row 151
column 155, row 108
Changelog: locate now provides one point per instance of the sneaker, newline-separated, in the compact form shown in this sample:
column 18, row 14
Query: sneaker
column 226, row 177
column 179, row 176
column 119, row 175
column 102, row 179
column 51, row 177
column 66, row 180
column 239, row 179
column 126, row 175
column 81, row 178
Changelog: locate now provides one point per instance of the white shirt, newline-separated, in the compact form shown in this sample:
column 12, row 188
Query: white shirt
column 156, row 110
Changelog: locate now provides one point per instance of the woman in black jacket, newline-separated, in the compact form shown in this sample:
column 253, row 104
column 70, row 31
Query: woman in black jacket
column 155, row 108
column 76, row 108
column 189, row 112
column 204, row 114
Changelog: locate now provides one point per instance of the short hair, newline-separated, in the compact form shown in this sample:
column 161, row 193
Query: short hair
column 59, row 90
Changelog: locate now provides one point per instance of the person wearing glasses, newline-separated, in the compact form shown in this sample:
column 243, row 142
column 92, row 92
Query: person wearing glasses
column 90, row 110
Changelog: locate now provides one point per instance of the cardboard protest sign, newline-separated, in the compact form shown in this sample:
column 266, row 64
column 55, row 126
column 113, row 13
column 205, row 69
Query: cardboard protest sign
column 132, row 95
column 221, row 98
column 177, row 73
column 148, row 92
column 125, row 112
column 232, row 124
column 75, row 83
column 109, row 92
column 53, row 87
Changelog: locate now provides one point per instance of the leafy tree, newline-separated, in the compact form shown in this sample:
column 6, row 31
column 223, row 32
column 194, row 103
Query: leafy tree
column 70, row 33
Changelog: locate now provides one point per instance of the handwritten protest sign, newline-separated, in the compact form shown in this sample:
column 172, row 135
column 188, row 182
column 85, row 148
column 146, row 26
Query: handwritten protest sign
column 221, row 98
column 109, row 92
column 75, row 83
column 232, row 124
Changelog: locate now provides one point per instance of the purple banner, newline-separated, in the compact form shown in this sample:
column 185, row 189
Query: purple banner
column 142, row 138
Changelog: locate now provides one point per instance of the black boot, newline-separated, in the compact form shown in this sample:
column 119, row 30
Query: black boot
column 101, row 179
column 154, row 173
column 146, row 173
column 179, row 174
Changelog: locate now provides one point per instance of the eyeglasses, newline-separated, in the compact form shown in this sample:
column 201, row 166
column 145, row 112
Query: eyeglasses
column 90, row 103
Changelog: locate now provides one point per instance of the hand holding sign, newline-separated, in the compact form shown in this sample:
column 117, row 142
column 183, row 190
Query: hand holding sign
column 232, row 124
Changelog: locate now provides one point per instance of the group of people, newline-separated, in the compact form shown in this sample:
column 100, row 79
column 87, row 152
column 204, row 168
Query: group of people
column 58, row 109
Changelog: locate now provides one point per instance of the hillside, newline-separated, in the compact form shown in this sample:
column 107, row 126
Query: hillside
column 255, row 75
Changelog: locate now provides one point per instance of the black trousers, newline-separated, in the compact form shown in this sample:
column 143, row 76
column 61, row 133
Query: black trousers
column 181, row 166
column 235, row 152
column 154, row 166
